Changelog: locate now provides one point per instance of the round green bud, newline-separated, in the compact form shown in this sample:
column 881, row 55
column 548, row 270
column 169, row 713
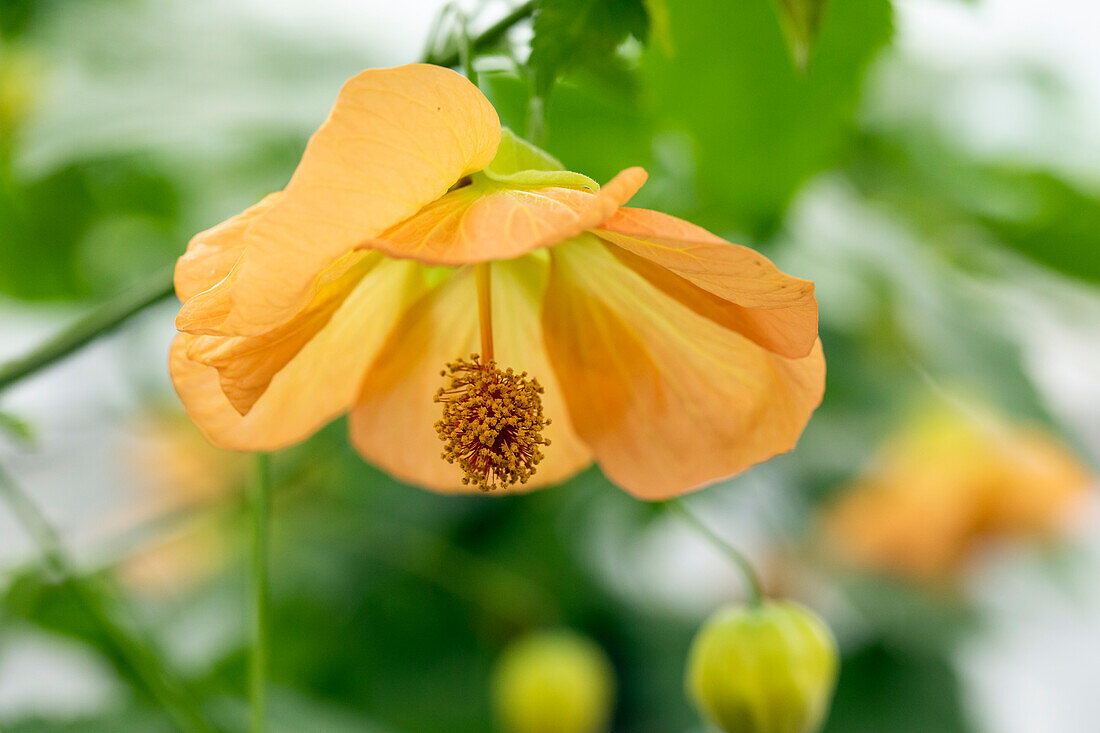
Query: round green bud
column 554, row 682
column 770, row 669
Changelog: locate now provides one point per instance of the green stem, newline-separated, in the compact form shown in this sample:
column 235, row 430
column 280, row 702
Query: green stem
column 259, row 508
column 753, row 588
column 490, row 35
column 100, row 321
column 144, row 665
column 466, row 51
column 536, row 119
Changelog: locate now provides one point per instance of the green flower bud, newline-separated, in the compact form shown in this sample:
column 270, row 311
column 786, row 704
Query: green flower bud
column 770, row 669
column 554, row 682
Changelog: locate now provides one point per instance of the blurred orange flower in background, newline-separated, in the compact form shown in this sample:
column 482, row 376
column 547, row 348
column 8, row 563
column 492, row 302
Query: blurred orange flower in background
column 950, row 480
column 174, row 564
column 179, row 468
column 181, row 474
column 667, row 355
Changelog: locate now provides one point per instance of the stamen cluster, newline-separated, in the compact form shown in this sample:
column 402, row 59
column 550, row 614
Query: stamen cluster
column 492, row 423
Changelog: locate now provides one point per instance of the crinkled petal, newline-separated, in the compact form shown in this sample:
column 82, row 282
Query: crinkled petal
column 247, row 364
column 396, row 140
column 211, row 254
column 318, row 382
column 667, row 400
column 490, row 221
column 393, row 423
column 732, row 285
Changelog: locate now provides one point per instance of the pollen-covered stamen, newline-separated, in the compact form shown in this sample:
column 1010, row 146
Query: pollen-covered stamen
column 492, row 423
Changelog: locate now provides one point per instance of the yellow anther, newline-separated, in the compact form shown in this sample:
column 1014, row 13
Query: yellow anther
column 492, row 423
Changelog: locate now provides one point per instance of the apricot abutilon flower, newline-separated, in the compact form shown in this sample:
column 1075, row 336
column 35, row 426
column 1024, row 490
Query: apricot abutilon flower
column 948, row 481
column 667, row 355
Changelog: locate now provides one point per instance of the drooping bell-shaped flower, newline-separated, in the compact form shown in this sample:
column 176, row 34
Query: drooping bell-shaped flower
column 668, row 356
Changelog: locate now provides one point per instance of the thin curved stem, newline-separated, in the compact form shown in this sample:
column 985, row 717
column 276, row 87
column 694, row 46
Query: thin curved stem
column 753, row 587
column 536, row 117
column 489, row 36
column 104, row 319
column 466, row 52
column 259, row 503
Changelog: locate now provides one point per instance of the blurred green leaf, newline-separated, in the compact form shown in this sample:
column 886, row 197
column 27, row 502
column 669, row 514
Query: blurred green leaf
column 132, row 719
column 591, row 129
column 51, row 237
column 37, row 242
column 939, row 186
column 54, row 606
column 32, row 597
column 882, row 689
column 17, row 429
column 908, row 617
column 757, row 127
column 16, row 17
column 801, row 20
column 1062, row 230
column 582, row 34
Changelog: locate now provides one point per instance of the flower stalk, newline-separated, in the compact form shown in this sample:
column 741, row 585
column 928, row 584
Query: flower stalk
column 259, row 504
column 490, row 36
column 99, row 322
column 754, row 589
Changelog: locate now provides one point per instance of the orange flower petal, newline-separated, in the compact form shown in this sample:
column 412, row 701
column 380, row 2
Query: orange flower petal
column 396, row 140
column 211, row 255
column 1045, row 482
column 732, row 285
column 490, row 221
column 921, row 526
column 247, row 364
column 316, row 384
column 666, row 399
column 393, row 423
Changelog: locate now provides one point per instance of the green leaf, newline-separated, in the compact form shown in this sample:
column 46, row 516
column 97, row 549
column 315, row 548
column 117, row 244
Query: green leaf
column 801, row 21
column 909, row 617
column 17, row 16
column 1063, row 231
column 590, row 127
column 582, row 34
column 755, row 127
column 17, row 429
column 937, row 185
column 882, row 689
column 131, row 719
column 53, row 606
column 88, row 228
